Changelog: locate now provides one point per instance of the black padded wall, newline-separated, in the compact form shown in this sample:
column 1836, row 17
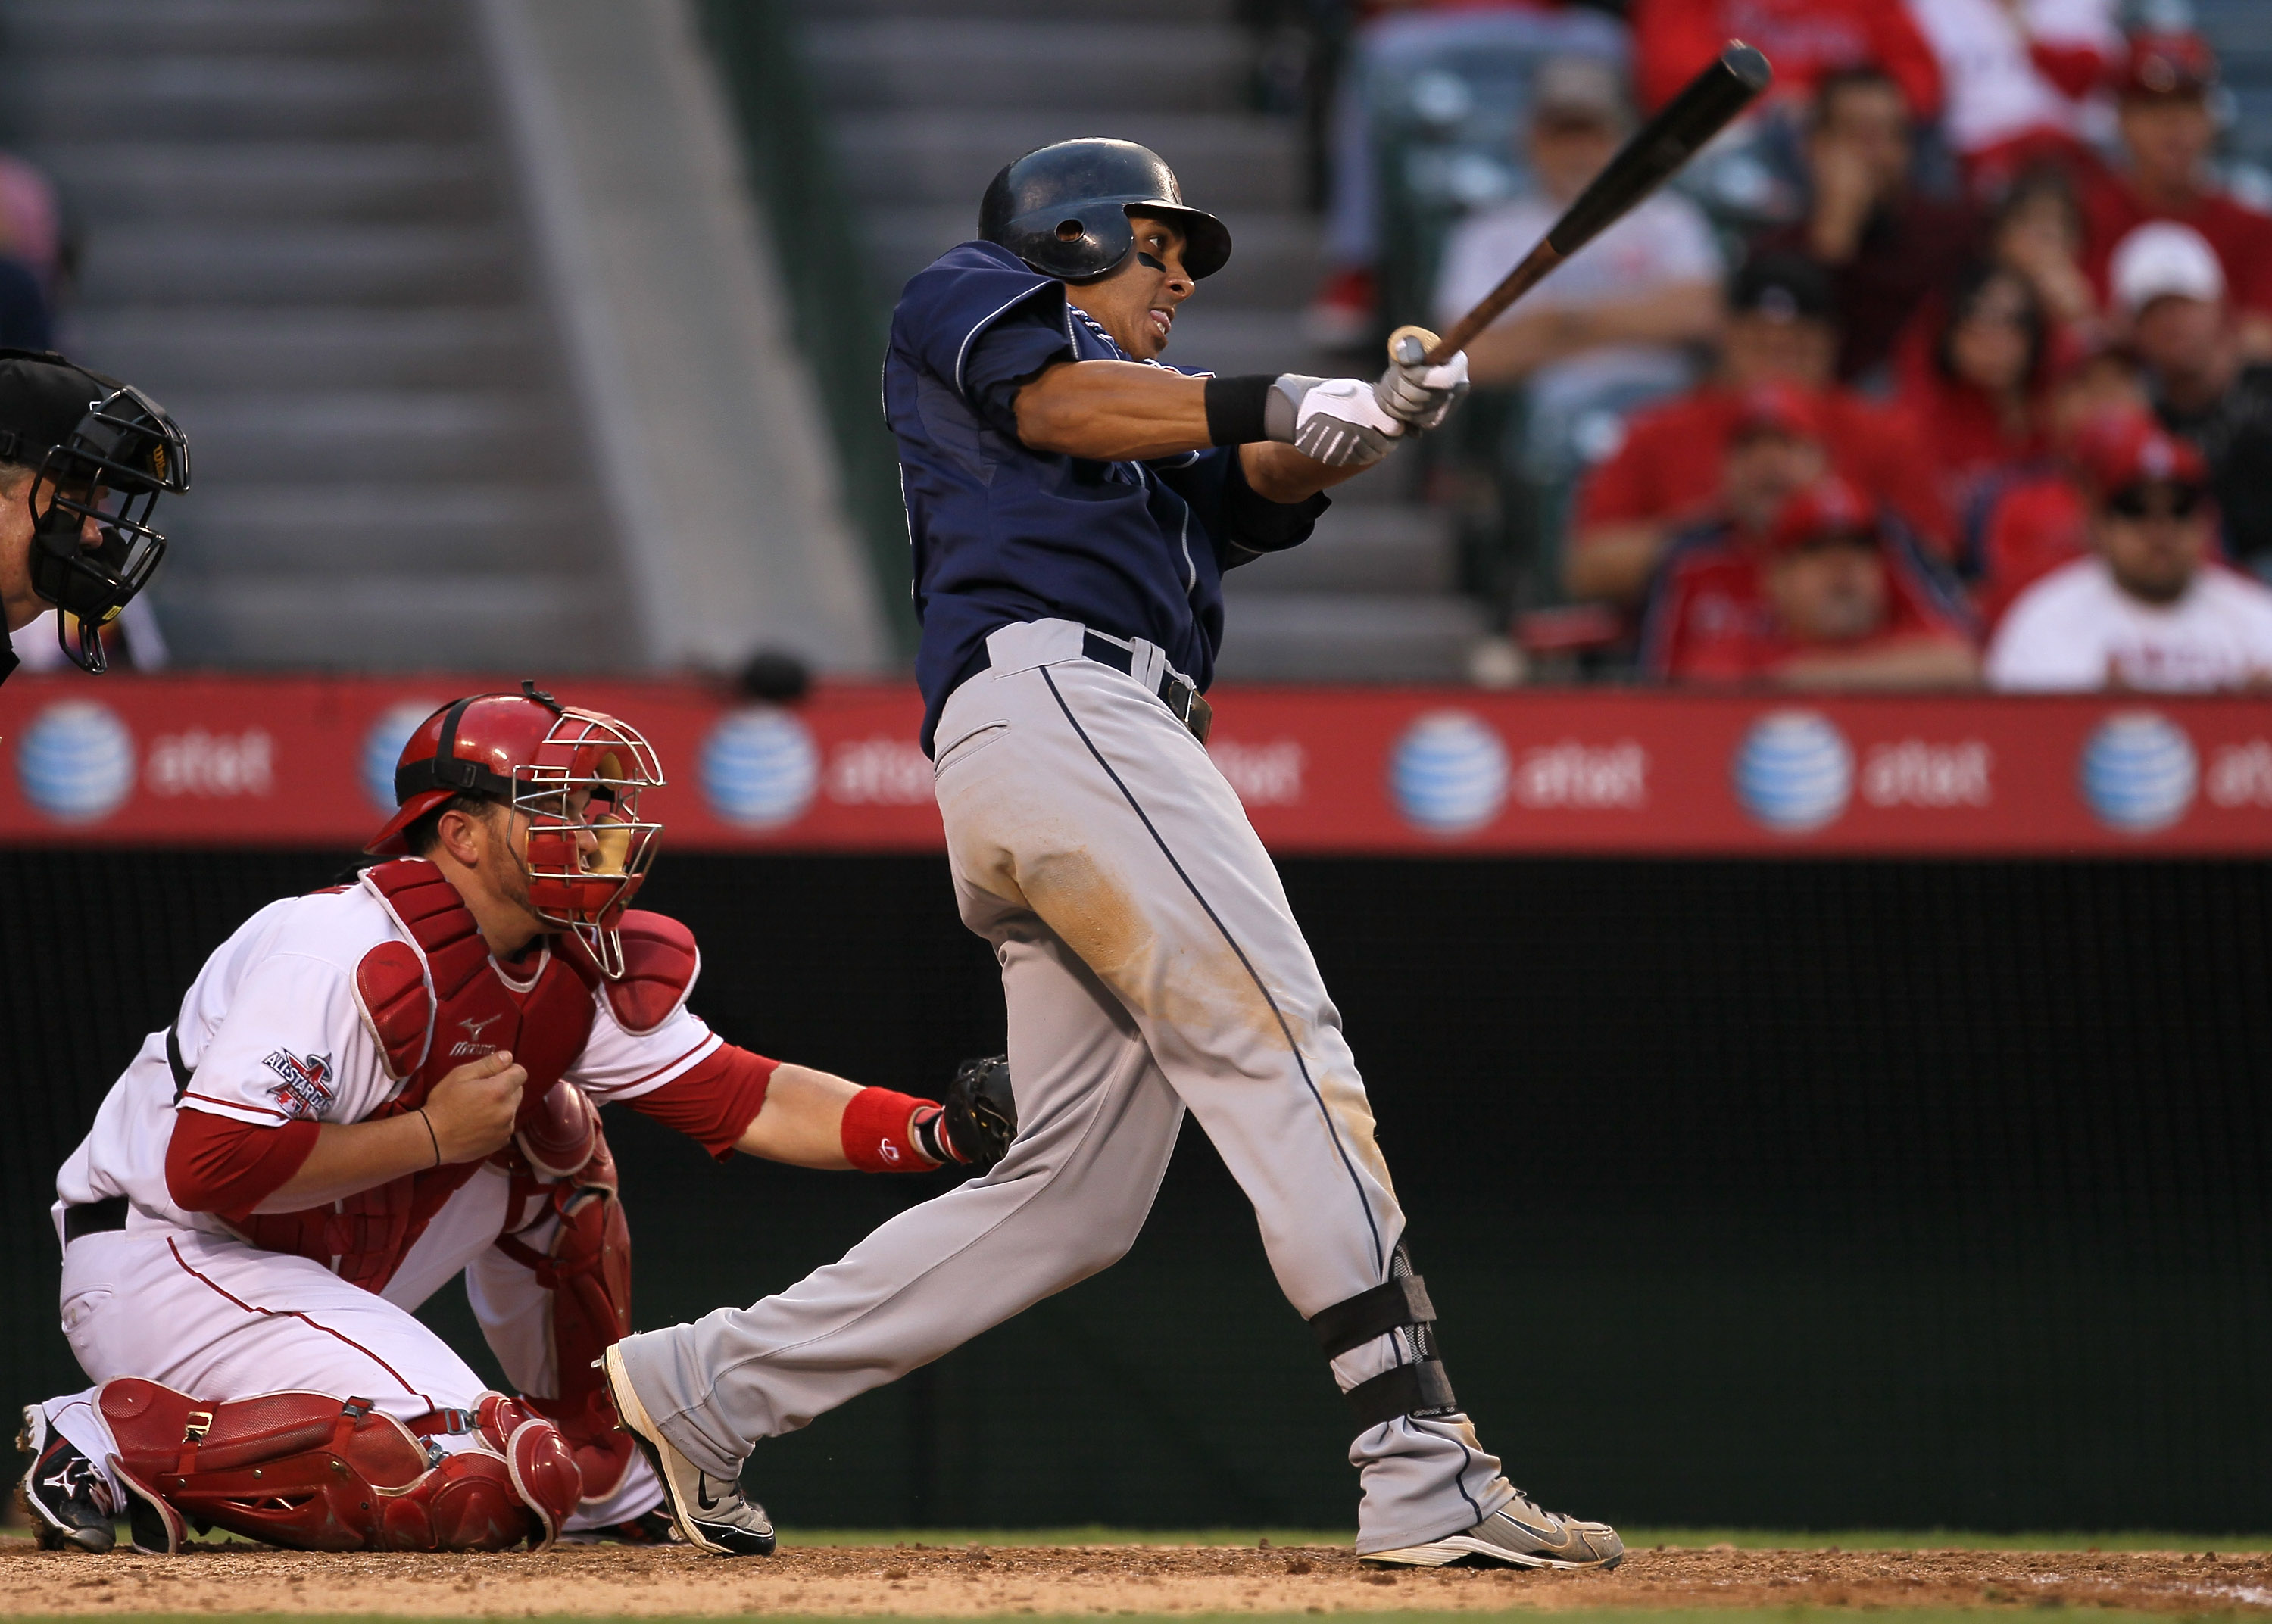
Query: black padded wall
column 1812, row 1194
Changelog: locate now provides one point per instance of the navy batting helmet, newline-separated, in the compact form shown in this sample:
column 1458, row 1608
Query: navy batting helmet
column 1064, row 209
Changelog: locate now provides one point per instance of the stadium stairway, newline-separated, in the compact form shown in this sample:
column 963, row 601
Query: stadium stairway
column 300, row 232
column 927, row 98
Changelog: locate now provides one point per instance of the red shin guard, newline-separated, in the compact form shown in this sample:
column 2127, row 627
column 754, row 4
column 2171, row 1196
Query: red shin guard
column 306, row 1471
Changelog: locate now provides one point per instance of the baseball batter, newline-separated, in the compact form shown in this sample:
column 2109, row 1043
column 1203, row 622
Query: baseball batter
column 1074, row 505
column 372, row 1089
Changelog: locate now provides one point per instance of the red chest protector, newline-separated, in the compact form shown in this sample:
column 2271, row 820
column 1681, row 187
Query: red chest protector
column 435, row 1002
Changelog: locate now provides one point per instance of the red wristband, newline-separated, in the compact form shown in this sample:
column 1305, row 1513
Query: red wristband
column 874, row 1131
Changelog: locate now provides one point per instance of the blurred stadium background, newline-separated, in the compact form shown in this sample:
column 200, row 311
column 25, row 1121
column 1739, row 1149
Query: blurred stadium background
column 1874, row 1188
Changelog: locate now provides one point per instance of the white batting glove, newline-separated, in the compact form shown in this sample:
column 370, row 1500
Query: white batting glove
column 1421, row 395
column 1339, row 422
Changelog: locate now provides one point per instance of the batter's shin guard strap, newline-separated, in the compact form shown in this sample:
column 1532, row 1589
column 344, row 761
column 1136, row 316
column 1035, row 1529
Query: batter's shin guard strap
column 1402, row 1304
column 1418, row 1389
column 1355, row 1320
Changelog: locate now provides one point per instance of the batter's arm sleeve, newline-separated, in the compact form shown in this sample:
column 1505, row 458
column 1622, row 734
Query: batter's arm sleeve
column 979, row 320
column 1007, row 356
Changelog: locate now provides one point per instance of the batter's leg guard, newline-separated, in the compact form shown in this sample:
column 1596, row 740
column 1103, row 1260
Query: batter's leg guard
column 310, row 1472
column 1415, row 1386
column 588, row 1272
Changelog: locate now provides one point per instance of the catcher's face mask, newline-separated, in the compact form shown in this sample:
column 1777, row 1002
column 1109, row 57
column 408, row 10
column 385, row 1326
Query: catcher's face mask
column 587, row 849
column 93, row 546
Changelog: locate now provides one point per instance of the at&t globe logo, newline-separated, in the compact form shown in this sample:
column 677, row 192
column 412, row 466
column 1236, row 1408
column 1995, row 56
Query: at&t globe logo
column 1794, row 771
column 381, row 748
column 75, row 762
column 2139, row 771
column 1448, row 773
column 760, row 768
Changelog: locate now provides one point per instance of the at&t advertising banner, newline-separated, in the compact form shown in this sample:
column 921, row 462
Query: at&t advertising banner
column 234, row 761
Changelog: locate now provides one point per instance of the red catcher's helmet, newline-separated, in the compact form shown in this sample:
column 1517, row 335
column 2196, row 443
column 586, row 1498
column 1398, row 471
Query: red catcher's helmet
column 576, row 774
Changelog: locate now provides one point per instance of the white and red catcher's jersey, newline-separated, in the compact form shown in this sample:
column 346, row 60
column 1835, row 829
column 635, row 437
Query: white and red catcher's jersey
column 273, row 1033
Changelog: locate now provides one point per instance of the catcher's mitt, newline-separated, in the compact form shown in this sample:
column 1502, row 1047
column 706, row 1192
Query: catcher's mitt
column 980, row 1112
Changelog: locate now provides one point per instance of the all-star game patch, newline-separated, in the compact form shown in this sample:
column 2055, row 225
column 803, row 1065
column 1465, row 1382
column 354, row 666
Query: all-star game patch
column 307, row 1084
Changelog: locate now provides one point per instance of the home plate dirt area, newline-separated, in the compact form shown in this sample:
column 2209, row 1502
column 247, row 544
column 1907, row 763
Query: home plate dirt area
column 963, row 1581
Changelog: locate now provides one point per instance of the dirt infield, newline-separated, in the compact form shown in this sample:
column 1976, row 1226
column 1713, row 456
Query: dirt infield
column 931, row 1581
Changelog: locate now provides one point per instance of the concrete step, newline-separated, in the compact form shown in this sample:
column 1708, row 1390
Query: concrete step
column 240, row 182
column 440, row 434
column 1094, row 68
column 1359, row 548
column 1225, row 161
column 511, row 621
column 234, row 98
column 222, row 350
column 181, row 265
column 112, row 30
column 1271, row 254
column 413, row 528
column 1345, row 637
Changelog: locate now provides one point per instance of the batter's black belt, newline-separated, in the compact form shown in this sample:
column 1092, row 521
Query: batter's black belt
column 93, row 1217
column 1177, row 692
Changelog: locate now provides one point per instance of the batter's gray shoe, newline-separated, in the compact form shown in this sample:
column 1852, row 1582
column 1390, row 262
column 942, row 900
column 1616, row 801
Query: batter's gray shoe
column 63, row 1495
column 710, row 1512
column 1517, row 1535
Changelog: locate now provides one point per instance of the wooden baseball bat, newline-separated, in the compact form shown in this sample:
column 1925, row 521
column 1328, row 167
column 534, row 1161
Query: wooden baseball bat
column 1706, row 107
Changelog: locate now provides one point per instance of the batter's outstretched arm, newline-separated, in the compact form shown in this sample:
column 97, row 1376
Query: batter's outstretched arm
column 1115, row 411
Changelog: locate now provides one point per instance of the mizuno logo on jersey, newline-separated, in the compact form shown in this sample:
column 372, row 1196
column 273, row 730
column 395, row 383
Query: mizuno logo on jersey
column 471, row 1045
column 307, row 1083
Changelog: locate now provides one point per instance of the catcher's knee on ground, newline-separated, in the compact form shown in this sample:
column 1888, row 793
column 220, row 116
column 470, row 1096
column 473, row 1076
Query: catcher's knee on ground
column 310, row 1471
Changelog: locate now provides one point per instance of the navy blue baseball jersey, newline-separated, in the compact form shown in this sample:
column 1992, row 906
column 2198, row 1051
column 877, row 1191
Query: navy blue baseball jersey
column 1005, row 534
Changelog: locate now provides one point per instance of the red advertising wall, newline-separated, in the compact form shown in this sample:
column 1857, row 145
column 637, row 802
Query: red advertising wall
column 225, row 761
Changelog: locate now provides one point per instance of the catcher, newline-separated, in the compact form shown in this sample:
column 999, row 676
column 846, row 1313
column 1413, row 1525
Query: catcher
column 373, row 1088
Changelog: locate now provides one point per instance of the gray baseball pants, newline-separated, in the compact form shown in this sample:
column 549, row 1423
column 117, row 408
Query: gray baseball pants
column 1150, row 963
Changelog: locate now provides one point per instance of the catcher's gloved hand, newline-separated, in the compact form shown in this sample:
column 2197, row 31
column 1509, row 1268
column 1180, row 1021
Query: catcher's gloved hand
column 1337, row 420
column 973, row 1126
column 1414, row 391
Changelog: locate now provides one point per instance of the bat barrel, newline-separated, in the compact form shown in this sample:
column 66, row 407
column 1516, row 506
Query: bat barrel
column 1704, row 108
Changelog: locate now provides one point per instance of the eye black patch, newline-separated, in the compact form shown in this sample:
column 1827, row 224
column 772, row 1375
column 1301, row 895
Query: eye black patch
column 1143, row 258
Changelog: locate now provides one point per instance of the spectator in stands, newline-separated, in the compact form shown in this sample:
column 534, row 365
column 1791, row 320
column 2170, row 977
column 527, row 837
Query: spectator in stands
column 2171, row 288
column 2038, row 232
column 31, row 255
column 1396, row 39
column 2038, row 518
column 1972, row 385
column 1612, row 328
column 1667, row 476
column 1885, row 245
column 2167, row 135
column 1828, row 593
column 1807, row 39
column 2015, row 75
column 2148, row 609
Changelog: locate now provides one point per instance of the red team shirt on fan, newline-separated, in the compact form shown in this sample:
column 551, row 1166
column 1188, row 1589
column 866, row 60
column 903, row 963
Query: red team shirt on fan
column 2241, row 237
column 1710, row 620
column 274, row 1034
column 1669, row 468
column 1674, row 39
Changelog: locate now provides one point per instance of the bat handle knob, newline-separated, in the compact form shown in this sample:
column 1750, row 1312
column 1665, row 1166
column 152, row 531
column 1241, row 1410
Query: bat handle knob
column 1408, row 346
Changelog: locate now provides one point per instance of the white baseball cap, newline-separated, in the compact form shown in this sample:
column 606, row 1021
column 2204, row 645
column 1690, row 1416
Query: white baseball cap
column 2162, row 260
